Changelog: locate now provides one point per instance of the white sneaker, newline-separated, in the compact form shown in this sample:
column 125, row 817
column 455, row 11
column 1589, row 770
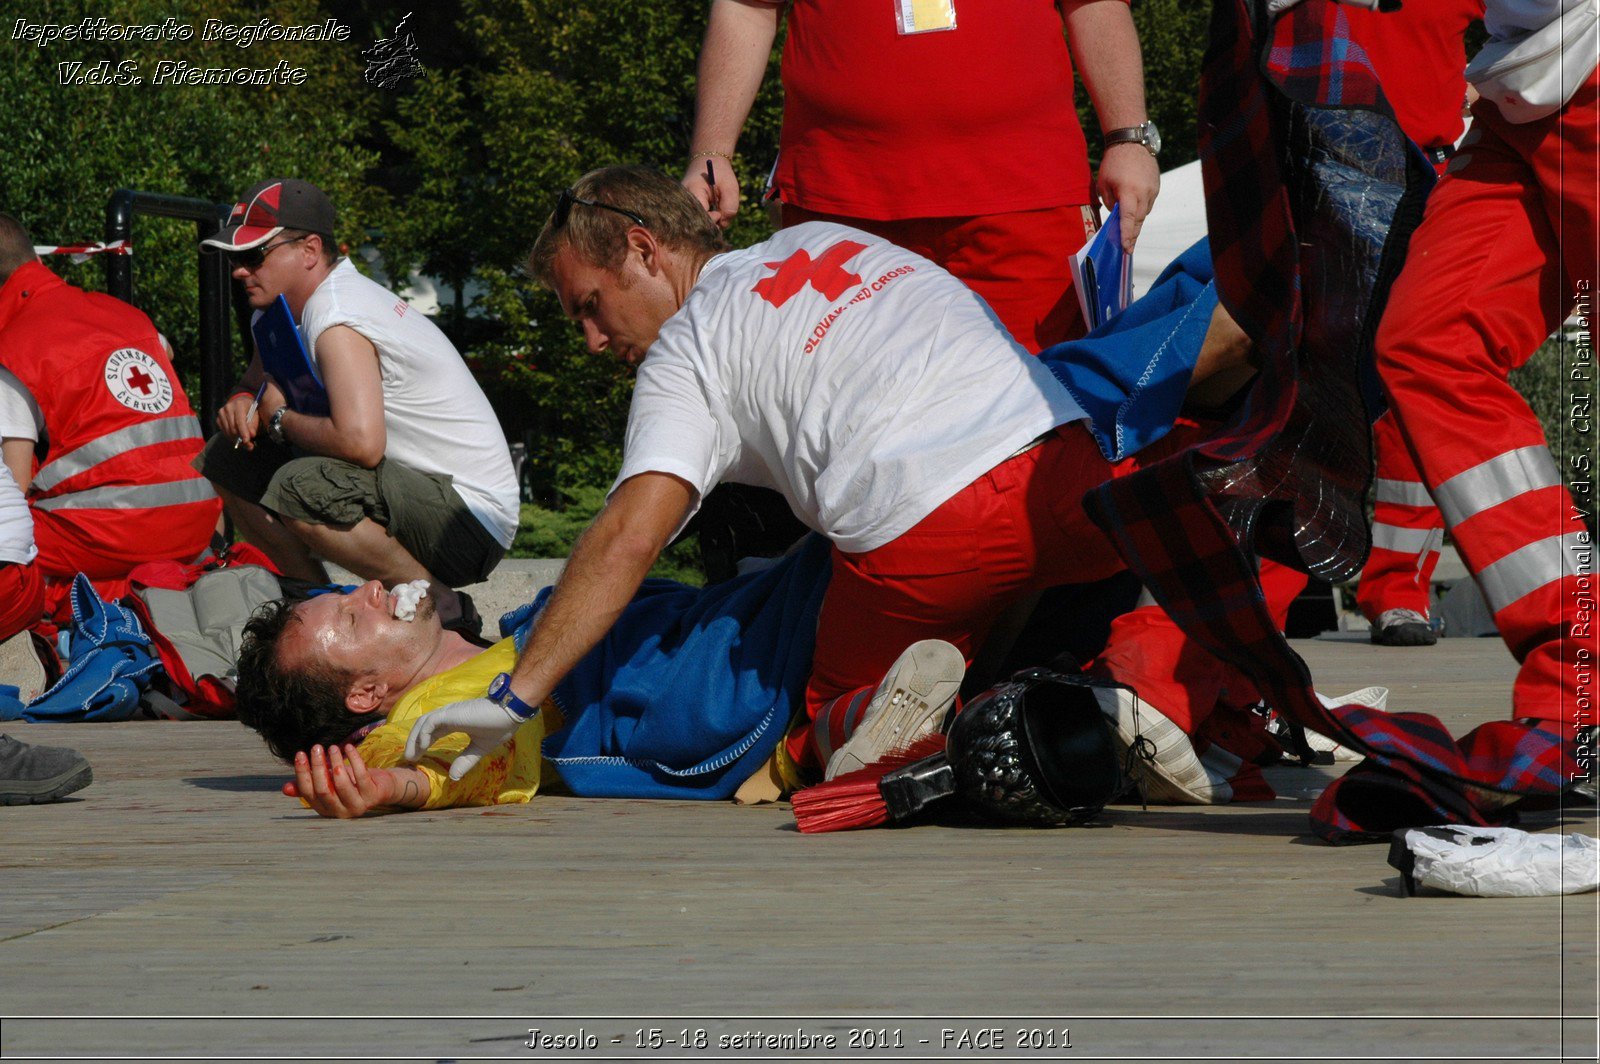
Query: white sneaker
column 1174, row 773
column 21, row 668
column 1375, row 697
column 911, row 702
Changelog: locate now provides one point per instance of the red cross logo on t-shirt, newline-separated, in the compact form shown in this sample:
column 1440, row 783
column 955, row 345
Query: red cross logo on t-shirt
column 826, row 274
column 139, row 379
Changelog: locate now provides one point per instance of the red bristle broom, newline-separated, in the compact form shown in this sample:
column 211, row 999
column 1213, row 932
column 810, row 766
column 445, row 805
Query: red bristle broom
column 891, row 789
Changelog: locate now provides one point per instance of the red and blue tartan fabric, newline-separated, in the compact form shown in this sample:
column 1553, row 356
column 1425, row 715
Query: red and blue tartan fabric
column 1312, row 192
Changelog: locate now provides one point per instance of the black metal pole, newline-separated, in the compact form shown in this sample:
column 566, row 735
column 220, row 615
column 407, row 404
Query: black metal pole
column 119, row 226
column 216, row 354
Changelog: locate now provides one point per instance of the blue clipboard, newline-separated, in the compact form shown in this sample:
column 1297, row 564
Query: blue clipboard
column 1103, row 273
column 284, row 356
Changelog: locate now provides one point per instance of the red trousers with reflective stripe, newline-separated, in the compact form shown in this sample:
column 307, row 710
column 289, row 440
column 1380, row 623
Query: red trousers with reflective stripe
column 1506, row 248
column 21, row 598
column 107, row 547
column 1019, row 528
column 1407, row 531
column 1017, row 261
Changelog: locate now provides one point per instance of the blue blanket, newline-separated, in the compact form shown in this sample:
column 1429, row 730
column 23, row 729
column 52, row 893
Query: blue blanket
column 692, row 688
column 111, row 663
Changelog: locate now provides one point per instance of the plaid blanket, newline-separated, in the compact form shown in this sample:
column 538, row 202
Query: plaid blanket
column 1312, row 192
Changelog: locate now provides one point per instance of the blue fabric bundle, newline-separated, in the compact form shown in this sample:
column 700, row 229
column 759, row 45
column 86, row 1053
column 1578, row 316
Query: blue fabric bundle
column 112, row 662
column 693, row 688
column 1130, row 375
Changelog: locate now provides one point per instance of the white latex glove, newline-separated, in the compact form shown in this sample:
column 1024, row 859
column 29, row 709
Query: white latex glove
column 488, row 724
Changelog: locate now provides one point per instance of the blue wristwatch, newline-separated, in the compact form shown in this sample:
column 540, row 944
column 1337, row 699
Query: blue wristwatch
column 500, row 691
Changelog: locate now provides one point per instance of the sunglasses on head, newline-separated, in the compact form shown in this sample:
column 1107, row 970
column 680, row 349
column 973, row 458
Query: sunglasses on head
column 252, row 258
column 567, row 198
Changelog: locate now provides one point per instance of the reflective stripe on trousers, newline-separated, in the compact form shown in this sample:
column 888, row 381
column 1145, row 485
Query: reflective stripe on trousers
column 1524, row 571
column 1414, row 541
column 1407, row 531
column 1500, row 479
column 1403, row 492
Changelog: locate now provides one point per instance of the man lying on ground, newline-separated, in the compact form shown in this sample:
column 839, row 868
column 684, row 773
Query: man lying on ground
column 320, row 677
column 687, row 697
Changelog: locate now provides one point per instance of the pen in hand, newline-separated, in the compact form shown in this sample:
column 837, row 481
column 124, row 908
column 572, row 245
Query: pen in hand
column 711, row 181
column 255, row 404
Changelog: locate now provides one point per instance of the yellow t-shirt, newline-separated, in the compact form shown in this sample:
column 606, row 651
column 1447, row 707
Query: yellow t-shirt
column 511, row 774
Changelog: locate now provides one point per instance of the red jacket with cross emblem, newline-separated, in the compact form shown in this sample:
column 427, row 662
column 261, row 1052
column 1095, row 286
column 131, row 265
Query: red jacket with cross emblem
column 120, row 434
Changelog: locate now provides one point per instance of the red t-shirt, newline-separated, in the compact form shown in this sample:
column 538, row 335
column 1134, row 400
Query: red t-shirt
column 1421, row 61
column 978, row 119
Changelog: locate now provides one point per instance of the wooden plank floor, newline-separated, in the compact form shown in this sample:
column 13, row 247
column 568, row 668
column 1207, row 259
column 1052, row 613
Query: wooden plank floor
column 182, row 888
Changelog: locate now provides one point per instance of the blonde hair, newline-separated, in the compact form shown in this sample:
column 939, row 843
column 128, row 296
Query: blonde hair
column 600, row 235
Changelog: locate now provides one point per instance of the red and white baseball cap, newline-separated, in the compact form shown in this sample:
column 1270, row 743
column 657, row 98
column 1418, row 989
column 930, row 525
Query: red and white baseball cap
column 269, row 208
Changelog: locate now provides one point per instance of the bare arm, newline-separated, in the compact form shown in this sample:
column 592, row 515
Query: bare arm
column 1105, row 49
column 354, row 429
column 733, row 59
column 1227, row 362
column 17, row 452
column 608, row 563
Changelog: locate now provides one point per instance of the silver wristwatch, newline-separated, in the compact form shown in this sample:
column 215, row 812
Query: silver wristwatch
column 1144, row 133
column 275, row 426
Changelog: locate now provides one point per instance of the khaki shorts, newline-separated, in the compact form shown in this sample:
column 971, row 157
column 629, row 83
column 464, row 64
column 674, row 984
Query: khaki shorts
column 421, row 510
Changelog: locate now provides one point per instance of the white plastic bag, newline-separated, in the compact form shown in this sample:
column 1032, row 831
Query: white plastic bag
column 1535, row 73
column 1495, row 862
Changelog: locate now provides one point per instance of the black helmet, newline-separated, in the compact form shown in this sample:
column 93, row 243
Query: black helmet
column 1036, row 750
column 1033, row 750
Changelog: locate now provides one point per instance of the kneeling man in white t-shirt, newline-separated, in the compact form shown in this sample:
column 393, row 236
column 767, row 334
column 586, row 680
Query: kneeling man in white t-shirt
column 873, row 390
column 408, row 476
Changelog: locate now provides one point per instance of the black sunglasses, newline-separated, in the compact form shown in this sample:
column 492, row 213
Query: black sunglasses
column 252, row 258
column 565, row 201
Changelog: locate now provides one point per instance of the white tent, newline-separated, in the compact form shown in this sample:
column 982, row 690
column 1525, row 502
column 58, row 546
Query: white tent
column 1176, row 222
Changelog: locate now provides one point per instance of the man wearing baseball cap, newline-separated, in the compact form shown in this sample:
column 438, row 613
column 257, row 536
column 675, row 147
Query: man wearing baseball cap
column 408, row 475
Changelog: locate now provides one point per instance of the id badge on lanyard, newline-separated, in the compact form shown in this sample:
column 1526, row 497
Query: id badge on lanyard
column 924, row 16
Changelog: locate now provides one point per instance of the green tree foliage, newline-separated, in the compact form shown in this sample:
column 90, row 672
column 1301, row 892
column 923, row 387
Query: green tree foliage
column 68, row 147
column 548, row 532
column 543, row 91
column 1172, row 36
